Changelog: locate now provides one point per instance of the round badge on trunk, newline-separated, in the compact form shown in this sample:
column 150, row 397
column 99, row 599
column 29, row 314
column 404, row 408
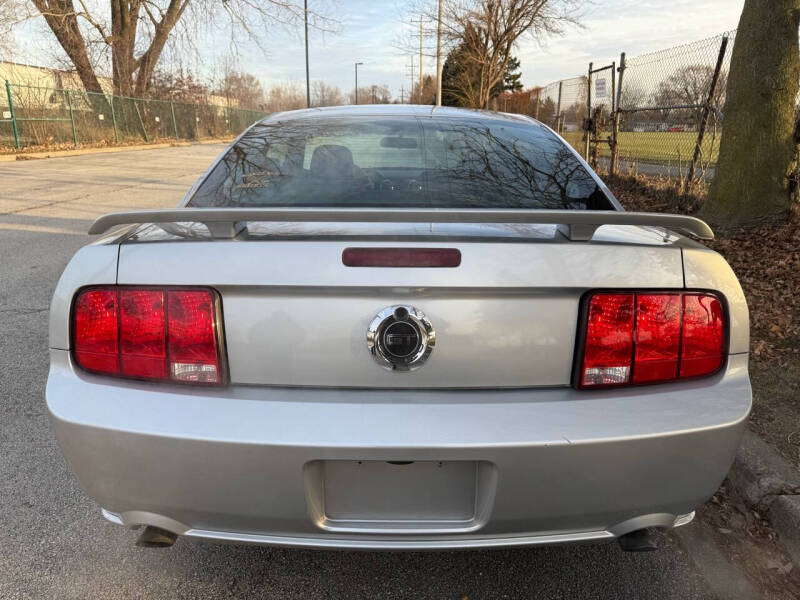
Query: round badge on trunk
column 400, row 338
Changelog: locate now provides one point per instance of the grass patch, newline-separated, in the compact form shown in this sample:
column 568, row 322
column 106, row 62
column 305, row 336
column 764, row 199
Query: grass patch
column 666, row 148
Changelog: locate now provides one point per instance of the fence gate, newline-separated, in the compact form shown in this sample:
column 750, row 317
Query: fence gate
column 601, row 109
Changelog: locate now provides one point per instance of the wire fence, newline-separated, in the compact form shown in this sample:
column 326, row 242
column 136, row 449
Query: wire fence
column 658, row 113
column 40, row 116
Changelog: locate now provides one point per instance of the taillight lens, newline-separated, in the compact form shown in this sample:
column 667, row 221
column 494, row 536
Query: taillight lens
column 96, row 325
column 192, row 337
column 703, row 329
column 609, row 341
column 148, row 333
column 648, row 337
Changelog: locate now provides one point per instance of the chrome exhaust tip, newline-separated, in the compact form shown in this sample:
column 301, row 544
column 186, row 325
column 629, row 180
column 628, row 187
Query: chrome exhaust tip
column 155, row 537
column 640, row 540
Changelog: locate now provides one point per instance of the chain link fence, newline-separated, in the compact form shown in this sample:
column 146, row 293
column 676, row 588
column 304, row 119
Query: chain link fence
column 39, row 116
column 658, row 113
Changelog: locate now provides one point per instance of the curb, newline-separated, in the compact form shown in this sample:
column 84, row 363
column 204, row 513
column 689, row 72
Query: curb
column 784, row 515
column 760, row 474
column 105, row 150
column 769, row 483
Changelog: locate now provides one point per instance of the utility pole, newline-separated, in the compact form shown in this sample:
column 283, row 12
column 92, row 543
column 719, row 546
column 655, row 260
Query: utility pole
column 439, row 57
column 411, row 91
column 308, row 82
column 356, row 94
column 402, row 94
column 420, row 59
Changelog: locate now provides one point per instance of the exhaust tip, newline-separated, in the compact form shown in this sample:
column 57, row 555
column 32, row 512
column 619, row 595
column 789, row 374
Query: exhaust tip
column 155, row 537
column 640, row 540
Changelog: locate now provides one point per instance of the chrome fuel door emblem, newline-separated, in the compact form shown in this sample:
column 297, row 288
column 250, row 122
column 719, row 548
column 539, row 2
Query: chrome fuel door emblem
column 400, row 338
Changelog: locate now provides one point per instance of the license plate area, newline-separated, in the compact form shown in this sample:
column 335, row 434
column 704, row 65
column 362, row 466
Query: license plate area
column 372, row 496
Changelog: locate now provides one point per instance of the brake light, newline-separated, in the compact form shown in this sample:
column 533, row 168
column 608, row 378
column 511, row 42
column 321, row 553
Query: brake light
column 649, row 337
column 148, row 333
column 401, row 257
column 95, row 318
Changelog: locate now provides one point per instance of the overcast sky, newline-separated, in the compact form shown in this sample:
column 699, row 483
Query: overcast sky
column 370, row 30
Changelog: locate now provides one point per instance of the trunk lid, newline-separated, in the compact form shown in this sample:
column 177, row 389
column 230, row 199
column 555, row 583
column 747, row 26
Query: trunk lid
column 295, row 315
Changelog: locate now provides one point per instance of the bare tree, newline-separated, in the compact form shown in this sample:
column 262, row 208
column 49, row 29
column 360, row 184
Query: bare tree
column 178, row 85
column 323, row 94
column 689, row 86
column 486, row 32
column 242, row 90
column 286, row 96
column 372, row 94
column 8, row 16
column 135, row 32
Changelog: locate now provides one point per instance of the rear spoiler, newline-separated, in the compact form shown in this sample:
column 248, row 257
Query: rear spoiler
column 578, row 225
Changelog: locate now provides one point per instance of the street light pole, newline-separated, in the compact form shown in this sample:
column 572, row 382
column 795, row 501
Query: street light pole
column 356, row 95
column 308, row 82
column 439, row 57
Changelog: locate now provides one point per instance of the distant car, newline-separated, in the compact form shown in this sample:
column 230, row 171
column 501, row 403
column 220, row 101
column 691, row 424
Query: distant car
column 398, row 327
column 676, row 129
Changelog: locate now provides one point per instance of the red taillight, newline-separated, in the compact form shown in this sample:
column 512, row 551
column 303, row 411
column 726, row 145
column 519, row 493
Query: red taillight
column 658, row 337
column 95, row 321
column 703, row 329
column 648, row 337
column 143, row 348
column 609, row 340
column 148, row 333
column 192, row 337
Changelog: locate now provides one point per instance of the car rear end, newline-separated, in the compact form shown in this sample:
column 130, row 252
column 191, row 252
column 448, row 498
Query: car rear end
column 268, row 386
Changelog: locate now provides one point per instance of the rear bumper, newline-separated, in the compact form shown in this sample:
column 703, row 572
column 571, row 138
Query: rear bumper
column 249, row 464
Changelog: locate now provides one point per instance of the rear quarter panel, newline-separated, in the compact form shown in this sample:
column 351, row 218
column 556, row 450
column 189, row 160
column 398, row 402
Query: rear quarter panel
column 706, row 269
column 95, row 264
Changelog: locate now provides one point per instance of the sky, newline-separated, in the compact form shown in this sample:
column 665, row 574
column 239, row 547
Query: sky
column 371, row 29
column 372, row 32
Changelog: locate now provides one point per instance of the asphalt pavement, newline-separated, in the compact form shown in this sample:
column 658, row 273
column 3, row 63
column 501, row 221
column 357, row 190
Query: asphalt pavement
column 54, row 542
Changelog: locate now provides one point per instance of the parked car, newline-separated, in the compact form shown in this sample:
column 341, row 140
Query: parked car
column 397, row 327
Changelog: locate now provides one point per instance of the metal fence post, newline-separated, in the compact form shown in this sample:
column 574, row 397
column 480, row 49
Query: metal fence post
column 586, row 126
column 558, row 107
column 701, row 130
column 114, row 119
column 71, row 117
column 174, row 122
column 612, row 169
column 141, row 122
column 13, row 118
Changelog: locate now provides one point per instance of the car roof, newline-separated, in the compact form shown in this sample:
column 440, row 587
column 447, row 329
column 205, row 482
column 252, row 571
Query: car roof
column 398, row 110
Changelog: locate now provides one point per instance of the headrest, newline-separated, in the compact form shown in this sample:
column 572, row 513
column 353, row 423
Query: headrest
column 332, row 161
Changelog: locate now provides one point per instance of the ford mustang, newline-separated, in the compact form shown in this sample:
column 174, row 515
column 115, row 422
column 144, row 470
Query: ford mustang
column 397, row 327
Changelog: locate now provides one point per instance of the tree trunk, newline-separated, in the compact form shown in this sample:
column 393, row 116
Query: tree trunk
column 756, row 152
column 123, row 31
column 60, row 17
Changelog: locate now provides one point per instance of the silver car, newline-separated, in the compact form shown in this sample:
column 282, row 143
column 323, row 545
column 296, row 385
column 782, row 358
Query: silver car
column 398, row 327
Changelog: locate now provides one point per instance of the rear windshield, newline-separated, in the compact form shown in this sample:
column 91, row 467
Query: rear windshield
column 400, row 162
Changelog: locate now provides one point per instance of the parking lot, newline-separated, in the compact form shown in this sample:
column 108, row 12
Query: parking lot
column 54, row 542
